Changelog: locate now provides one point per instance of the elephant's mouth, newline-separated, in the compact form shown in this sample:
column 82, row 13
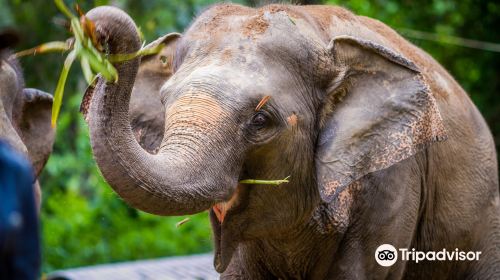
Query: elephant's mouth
column 221, row 209
column 226, row 226
column 234, row 204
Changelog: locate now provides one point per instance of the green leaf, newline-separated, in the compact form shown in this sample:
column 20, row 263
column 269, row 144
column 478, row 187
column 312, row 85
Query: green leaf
column 62, row 7
column 77, row 30
column 56, row 46
column 100, row 65
column 87, row 71
column 142, row 52
column 58, row 94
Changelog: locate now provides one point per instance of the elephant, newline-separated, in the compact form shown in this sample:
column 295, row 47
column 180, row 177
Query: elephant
column 24, row 112
column 381, row 144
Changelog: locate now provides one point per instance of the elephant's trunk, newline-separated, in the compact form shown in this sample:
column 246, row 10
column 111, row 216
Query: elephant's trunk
column 168, row 183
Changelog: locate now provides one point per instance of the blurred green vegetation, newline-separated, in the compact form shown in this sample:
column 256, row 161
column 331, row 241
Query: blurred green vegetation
column 85, row 223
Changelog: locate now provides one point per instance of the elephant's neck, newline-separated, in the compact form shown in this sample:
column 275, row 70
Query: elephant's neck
column 305, row 253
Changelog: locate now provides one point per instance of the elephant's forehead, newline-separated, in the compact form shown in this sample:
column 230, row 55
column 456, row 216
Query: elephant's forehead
column 252, row 39
column 235, row 25
column 216, row 79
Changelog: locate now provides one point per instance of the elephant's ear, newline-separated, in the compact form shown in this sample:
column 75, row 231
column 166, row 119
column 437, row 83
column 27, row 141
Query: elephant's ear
column 147, row 115
column 32, row 115
column 379, row 112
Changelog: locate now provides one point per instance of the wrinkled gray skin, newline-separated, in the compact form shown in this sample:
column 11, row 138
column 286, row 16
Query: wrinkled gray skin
column 382, row 145
column 24, row 112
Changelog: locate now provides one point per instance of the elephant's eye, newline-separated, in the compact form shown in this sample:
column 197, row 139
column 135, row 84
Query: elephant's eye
column 259, row 119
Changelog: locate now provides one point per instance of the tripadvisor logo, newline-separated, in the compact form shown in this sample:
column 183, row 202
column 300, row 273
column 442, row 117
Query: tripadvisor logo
column 387, row 255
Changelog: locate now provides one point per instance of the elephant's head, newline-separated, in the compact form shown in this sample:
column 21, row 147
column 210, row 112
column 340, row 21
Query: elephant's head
column 24, row 112
column 252, row 94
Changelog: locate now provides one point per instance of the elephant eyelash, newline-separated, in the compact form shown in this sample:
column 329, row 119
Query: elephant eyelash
column 262, row 102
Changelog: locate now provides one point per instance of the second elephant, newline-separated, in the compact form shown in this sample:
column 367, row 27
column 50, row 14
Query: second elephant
column 25, row 113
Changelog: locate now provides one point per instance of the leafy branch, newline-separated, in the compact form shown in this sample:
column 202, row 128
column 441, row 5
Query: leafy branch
column 85, row 47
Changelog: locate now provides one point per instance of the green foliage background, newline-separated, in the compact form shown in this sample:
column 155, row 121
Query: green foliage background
column 85, row 223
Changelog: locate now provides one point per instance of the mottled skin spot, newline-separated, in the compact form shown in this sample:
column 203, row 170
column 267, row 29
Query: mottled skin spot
column 339, row 212
column 256, row 25
column 292, row 119
column 332, row 187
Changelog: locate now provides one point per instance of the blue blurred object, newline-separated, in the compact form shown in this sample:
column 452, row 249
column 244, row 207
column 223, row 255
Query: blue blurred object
column 19, row 233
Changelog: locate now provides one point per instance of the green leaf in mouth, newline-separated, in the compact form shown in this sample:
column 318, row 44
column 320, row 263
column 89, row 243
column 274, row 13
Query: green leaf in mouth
column 265, row 182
